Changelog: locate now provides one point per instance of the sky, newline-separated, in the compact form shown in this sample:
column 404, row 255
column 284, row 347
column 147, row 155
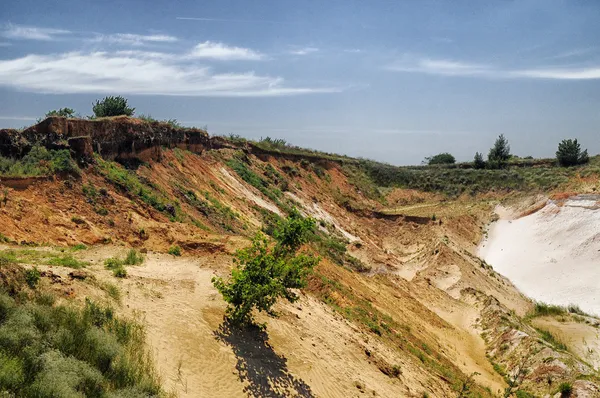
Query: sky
column 394, row 81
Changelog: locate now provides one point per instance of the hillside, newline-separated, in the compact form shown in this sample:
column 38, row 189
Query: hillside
column 400, row 304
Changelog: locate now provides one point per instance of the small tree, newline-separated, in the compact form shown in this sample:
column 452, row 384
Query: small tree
column 478, row 161
column 500, row 152
column 263, row 272
column 62, row 112
column 441, row 158
column 569, row 153
column 112, row 106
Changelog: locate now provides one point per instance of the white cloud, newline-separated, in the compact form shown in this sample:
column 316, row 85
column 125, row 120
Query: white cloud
column 134, row 39
column 445, row 67
column 223, row 52
column 559, row 73
column 13, row 31
column 439, row 67
column 136, row 73
column 304, row 51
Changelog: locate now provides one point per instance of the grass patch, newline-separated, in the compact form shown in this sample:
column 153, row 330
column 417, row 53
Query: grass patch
column 67, row 261
column 39, row 162
column 553, row 340
column 117, row 265
column 66, row 351
column 40, row 257
column 129, row 182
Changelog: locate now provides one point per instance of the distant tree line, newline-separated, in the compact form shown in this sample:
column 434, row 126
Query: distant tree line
column 569, row 153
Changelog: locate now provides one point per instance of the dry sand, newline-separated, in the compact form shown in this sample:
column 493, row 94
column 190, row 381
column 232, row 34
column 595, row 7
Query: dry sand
column 552, row 255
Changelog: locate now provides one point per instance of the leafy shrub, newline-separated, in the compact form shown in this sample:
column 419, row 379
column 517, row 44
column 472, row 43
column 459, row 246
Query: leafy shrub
column 62, row 112
column 569, row 153
column 175, row 250
column 32, row 277
column 441, row 158
column 112, row 106
column 120, row 272
column 263, row 273
column 133, row 258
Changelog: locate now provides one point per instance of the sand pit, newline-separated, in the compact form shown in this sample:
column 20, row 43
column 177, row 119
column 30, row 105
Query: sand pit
column 552, row 255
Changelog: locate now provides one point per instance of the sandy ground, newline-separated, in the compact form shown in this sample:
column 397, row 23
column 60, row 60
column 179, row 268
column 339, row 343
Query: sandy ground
column 552, row 255
column 198, row 357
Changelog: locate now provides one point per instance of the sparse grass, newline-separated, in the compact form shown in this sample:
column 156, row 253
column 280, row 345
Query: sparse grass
column 117, row 265
column 553, row 340
column 79, row 247
column 65, row 351
column 129, row 182
column 67, row 261
column 40, row 257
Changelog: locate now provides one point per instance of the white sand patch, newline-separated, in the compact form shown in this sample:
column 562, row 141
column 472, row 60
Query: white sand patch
column 244, row 192
column 315, row 211
column 552, row 255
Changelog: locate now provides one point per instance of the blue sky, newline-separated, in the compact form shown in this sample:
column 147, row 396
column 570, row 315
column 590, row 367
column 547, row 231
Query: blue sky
column 391, row 80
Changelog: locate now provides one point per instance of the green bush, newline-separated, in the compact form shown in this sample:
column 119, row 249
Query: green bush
column 112, row 106
column 62, row 112
column 32, row 277
column 569, row 153
column 133, row 258
column 175, row 250
column 478, row 161
column 441, row 158
column 565, row 389
column 264, row 273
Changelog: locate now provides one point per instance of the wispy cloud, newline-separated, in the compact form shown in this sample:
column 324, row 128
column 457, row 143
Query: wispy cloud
column 266, row 21
column 442, row 67
column 353, row 51
column 22, row 32
column 573, row 53
column 446, row 67
column 223, row 52
column 304, row 51
column 133, row 39
column 137, row 73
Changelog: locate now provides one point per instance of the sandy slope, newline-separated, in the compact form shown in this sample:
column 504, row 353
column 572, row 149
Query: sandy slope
column 197, row 357
column 552, row 255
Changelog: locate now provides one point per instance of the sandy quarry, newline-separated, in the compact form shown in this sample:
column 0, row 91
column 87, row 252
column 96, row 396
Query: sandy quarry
column 552, row 255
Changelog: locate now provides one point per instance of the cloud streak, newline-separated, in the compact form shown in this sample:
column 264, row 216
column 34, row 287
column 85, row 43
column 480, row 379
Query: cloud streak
column 223, row 52
column 133, row 39
column 304, row 51
column 136, row 72
column 22, row 32
column 453, row 68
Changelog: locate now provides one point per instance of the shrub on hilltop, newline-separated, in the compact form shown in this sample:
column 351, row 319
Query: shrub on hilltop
column 112, row 106
column 441, row 158
column 569, row 153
